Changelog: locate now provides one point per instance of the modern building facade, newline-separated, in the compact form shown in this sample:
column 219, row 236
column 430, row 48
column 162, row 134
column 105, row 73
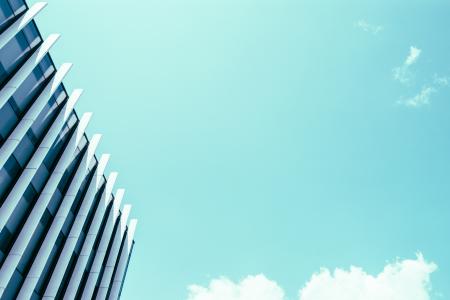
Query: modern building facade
column 63, row 231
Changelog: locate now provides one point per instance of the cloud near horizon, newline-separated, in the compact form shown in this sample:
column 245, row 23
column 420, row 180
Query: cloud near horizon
column 402, row 280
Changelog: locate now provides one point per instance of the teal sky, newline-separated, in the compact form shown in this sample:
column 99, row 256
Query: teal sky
column 268, row 136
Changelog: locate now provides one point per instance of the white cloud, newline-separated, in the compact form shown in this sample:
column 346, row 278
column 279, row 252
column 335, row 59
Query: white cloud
column 403, row 73
column 401, row 280
column 251, row 288
column 414, row 54
column 367, row 27
column 441, row 80
column 422, row 98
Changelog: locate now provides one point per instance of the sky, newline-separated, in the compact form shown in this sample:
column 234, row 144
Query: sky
column 271, row 149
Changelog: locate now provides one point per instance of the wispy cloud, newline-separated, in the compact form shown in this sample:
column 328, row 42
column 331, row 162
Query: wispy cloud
column 403, row 73
column 441, row 80
column 414, row 54
column 420, row 99
column 401, row 280
column 367, row 27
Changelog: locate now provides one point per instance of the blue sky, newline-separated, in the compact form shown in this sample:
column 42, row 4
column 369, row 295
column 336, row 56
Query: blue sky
column 269, row 137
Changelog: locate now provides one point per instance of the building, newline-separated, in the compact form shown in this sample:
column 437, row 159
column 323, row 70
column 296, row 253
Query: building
column 63, row 231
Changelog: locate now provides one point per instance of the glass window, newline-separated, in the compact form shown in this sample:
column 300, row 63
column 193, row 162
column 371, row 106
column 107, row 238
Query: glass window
column 45, row 118
column 17, row 5
column 33, row 84
column 7, row 174
column 40, row 178
column 12, row 288
column 80, row 242
column 13, row 53
column 81, row 192
column 33, row 139
column 21, row 210
column 68, row 223
column 73, row 120
column 62, row 95
column 6, row 14
column 24, row 151
column 51, row 158
column 65, row 180
column 30, row 194
column 47, row 66
column 54, row 202
column 46, row 218
column 29, row 253
column 2, row 257
column 91, row 212
column 12, row 167
column 93, row 163
column 32, row 34
column 46, row 272
column 9, row 120
column 82, row 143
column 3, row 73
column 5, row 240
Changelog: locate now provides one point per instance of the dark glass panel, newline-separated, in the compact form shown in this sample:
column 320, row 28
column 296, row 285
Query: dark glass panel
column 83, row 142
column 7, row 174
column 13, row 286
column 31, row 249
column 47, row 66
column 5, row 240
column 29, row 89
column 68, row 223
column 22, row 210
column 8, row 120
column 14, row 53
column 54, row 151
column 62, row 95
column 24, row 151
column 32, row 34
column 49, row 266
column 55, row 201
column 6, row 15
column 40, row 178
column 17, row 5
column 45, row 118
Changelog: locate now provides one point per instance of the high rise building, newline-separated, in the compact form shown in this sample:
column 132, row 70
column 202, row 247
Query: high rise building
column 63, row 231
